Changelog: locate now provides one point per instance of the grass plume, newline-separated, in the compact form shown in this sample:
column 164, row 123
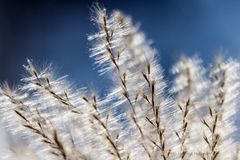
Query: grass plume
column 141, row 117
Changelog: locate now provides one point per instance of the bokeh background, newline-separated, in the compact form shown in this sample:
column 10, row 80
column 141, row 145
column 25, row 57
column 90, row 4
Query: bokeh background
column 56, row 31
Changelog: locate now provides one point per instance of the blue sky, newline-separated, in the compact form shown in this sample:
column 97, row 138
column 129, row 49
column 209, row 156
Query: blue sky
column 56, row 31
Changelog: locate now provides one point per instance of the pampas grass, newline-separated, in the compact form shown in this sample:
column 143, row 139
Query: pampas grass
column 141, row 117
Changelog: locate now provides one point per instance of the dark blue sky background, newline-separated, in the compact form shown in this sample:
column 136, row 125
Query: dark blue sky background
column 56, row 31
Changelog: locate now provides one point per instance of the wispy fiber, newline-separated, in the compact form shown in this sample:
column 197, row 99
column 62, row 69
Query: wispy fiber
column 142, row 117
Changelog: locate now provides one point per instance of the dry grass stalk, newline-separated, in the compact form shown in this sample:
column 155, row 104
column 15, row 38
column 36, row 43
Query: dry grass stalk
column 137, row 119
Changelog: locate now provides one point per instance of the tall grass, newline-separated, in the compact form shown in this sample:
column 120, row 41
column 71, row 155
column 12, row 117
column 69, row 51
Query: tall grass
column 141, row 117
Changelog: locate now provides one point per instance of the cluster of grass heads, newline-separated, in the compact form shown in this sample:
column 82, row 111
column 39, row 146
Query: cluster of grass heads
column 141, row 117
